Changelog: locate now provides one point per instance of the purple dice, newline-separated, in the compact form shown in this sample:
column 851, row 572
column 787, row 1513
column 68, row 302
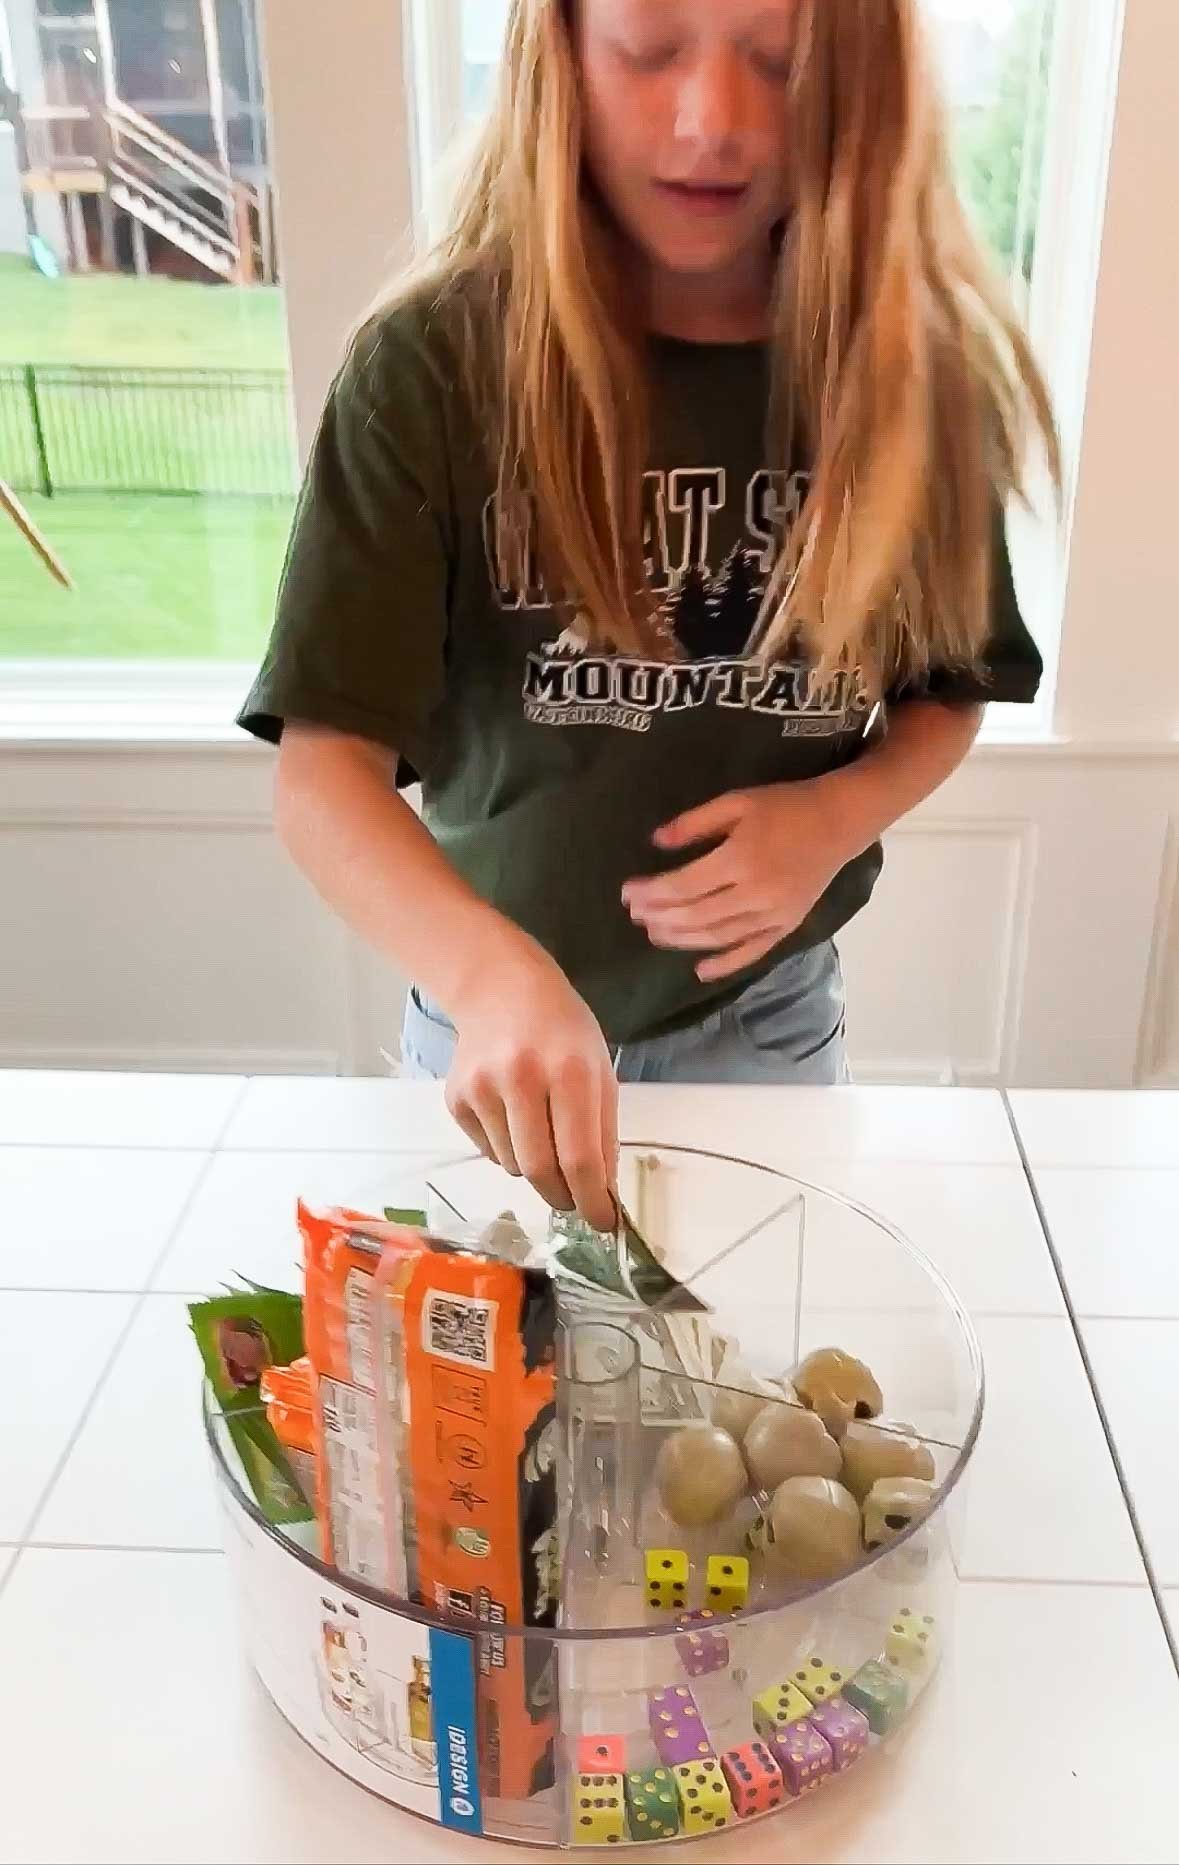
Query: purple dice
column 702, row 1648
column 676, row 1729
column 804, row 1757
column 844, row 1730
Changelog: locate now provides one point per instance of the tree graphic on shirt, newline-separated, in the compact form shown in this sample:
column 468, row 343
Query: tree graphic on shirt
column 713, row 618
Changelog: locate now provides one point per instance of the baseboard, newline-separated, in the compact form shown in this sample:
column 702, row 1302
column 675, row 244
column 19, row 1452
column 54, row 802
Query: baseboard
column 945, row 1074
column 171, row 1061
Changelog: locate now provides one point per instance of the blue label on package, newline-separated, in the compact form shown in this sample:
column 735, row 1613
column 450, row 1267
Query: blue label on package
column 452, row 1692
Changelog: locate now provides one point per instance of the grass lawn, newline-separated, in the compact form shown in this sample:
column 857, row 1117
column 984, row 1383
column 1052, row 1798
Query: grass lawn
column 157, row 578
column 145, row 322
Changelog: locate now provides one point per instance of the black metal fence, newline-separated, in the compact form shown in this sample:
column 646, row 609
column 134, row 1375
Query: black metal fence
column 66, row 428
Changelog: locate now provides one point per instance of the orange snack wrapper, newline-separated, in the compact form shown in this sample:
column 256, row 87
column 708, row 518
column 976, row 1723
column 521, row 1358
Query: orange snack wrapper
column 478, row 1339
column 434, row 1416
column 342, row 1251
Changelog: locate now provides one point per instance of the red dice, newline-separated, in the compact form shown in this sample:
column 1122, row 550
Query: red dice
column 754, row 1779
column 601, row 1754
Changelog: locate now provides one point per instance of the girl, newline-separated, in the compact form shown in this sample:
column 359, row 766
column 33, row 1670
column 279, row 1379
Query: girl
column 657, row 529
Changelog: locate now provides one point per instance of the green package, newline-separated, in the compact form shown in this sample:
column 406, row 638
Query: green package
column 238, row 1337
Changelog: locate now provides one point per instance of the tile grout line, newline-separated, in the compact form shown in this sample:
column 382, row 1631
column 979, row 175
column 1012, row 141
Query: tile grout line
column 1044, row 1580
column 110, row 1547
column 1082, row 1347
column 137, row 1308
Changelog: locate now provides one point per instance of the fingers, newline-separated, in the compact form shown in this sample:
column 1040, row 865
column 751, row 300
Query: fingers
column 579, row 1133
column 478, row 1108
column 535, row 1146
column 465, row 1120
column 564, row 1142
column 711, row 874
column 720, row 817
column 699, row 931
column 727, row 964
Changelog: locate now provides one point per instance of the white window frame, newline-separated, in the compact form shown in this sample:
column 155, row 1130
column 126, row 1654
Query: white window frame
column 1078, row 129
column 353, row 86
column 340, row 86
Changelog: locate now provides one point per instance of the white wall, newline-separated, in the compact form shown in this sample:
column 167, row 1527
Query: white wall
column 1026, row 930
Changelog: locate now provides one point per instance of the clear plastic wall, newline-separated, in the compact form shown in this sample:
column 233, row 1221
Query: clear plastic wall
column 694, row 1676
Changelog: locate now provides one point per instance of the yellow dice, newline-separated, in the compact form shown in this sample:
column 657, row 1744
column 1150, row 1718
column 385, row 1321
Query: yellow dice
column 775, row 1709
column 818, row 1681
column 667, row 1578
column 912, row 1641
column 705, row 1801
column 599, row 1812
column 726, row 1584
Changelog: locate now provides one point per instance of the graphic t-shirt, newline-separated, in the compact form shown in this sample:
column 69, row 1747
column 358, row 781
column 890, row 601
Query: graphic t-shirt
column 546, row 767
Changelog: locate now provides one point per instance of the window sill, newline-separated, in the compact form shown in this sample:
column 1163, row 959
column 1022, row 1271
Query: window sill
column 199, row 711
column 116, row 704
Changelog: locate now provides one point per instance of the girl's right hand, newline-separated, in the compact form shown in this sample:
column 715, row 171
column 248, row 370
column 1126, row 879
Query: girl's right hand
column 533, row 1087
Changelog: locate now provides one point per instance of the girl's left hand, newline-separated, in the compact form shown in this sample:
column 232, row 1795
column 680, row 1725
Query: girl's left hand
column 777, row 851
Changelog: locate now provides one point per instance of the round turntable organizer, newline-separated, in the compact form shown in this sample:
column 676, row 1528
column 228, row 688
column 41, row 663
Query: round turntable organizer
column 389, row 1693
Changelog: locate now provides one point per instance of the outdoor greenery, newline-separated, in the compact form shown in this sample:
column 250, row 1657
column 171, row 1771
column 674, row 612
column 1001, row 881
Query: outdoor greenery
column 142, row 322
column 191, row 577
column 156, row 577
column 992, row 143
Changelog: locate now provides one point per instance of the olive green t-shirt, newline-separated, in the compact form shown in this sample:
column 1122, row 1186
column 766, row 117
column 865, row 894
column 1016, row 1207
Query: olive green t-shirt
column 546, row 768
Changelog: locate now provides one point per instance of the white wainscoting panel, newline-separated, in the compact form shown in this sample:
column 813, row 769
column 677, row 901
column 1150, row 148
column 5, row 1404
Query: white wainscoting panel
column 1026, row 929
column 1160, row 1025
column 934, row 970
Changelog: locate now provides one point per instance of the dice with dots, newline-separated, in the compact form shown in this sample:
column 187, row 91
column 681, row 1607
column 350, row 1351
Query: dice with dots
column 705, row 1801
column 702, row 1648
column 677, row 1731
column 775, row 1709
column 726, row 1582
column 804, row 1756
column 754, row 1778
column 652, row 1805
column 667, row 1579
column 599, row 1811
column 881, row 1693
column 601, row 1754
column 912, row 1641
column 844, row 1731
column 817, row 1680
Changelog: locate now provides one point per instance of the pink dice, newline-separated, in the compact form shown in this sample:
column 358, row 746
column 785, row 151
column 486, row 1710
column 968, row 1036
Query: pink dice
column 702, row 1647
column 677, row 1731
column 804, row 1757
column 754, row 1779
column 844, row 1730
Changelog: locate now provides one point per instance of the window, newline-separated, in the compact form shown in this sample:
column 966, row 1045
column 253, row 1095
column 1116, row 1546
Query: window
column 996, row 61
column 144, row 374
column 144, row 395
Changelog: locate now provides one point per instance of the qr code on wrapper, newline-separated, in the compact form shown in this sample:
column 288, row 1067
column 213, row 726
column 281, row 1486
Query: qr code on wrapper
column 457, row 1327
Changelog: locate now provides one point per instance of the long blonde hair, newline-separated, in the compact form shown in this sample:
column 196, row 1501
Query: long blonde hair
column 900, row 368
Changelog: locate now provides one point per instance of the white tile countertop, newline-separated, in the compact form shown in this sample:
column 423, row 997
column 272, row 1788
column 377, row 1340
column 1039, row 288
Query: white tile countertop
column 130, row 1724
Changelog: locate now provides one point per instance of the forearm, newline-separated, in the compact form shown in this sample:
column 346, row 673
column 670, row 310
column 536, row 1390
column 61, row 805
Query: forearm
column 924, row 745
column 371, row 859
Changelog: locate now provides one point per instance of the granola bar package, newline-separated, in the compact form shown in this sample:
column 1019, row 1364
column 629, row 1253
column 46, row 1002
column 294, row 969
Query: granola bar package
column 342, row 1251
column 435, row 1410
column 466, row 1344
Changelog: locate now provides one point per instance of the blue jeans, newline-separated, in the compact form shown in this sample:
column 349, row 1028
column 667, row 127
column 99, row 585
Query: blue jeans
column 787, row 1028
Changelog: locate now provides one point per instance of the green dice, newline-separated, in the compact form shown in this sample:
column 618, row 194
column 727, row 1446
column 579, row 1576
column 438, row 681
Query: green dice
column 652, row 1808
column 880, row 1693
